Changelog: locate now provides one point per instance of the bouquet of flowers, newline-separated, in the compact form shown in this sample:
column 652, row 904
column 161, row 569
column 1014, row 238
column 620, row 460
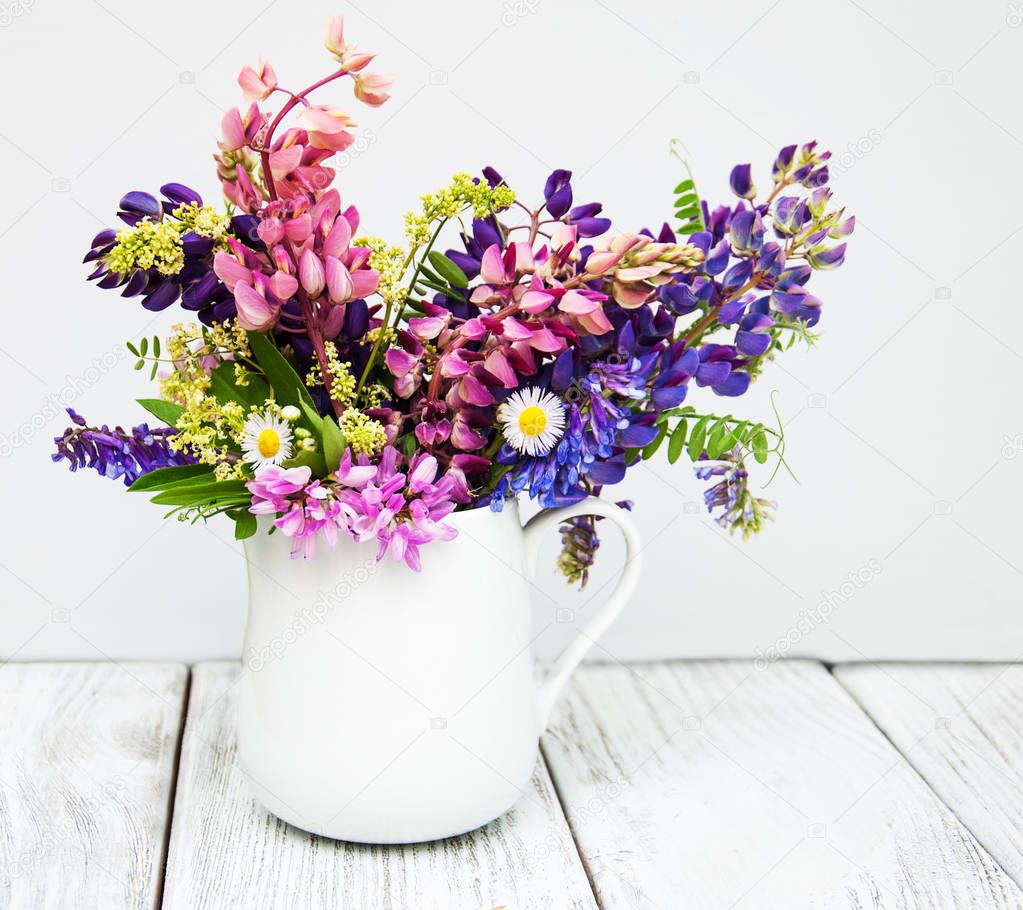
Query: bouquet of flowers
column 348, row 387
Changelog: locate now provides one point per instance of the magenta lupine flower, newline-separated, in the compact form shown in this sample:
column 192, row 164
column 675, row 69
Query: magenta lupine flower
column 401, row 511
column 363, row 501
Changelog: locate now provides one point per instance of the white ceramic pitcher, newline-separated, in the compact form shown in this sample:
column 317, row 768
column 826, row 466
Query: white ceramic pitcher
column 381, row 705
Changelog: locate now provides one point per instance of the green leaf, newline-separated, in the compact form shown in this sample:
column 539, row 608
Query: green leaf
column 131, row 347
column 650, row 449
column 448, row 269
column 687, row 200
column 225, row 388
column 312, row 417
column 697, row 437
column 333, row 444
column 165, row 477
column 687, row 213
column 314, row 460
column 760, row 445
column 677, row 441
column 715, row 444
column 156, row 345
column 454, row 293
column 407, row 444
column 162, row 410
column 244, row 523
column 144, row 347
column 684, row 186
column 287, row 385
column 210, row 491
column 691, row 228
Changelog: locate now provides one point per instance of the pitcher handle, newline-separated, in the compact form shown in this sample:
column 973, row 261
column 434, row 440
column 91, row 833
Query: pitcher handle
column 569, row 659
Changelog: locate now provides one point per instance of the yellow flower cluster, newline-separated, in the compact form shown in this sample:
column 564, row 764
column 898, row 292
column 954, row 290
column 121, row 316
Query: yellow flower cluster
column 157, row 244
column 150, row 244
column 205, row 427
column 343, row 389
column 204, row 220
column 364, row 435
column 463, row 191
column 390, row 261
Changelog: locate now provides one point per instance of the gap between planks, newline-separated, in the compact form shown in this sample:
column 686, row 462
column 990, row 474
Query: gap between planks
column 172, row 793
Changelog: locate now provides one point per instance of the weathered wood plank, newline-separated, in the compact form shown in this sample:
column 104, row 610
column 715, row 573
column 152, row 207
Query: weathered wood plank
column 710, row 784
column 961, row 727
column 86, row 774
column 226, row 851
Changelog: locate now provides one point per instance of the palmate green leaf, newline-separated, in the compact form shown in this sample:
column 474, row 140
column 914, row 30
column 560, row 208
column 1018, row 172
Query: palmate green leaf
column 162, row 410
column 333, row 444
column 697, row 438
column 166, row 477
column 448, row 270
column 677, row 441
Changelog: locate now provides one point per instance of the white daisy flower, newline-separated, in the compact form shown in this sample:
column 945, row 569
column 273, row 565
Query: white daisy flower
column 532, row 421
column 266, row 439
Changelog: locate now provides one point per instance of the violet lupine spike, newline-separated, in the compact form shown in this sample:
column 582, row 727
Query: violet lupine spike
column 739, row 509
column 116, row 453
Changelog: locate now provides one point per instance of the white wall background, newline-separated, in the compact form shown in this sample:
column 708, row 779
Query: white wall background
column 904, row 425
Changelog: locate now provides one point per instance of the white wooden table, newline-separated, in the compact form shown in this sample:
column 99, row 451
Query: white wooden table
column 709, row 784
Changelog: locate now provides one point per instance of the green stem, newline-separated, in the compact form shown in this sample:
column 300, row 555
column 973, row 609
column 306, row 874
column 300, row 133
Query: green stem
column 378, row 344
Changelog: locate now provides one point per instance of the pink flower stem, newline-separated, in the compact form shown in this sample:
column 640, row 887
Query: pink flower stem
column 309, row 312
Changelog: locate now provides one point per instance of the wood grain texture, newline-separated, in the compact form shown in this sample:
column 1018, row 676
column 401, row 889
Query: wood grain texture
column 712, row 785
column 225, row 851
column 86, row 774
column 961, row 727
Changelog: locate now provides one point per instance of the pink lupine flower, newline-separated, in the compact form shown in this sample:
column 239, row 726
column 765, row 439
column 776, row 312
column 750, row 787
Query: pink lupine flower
column 372, row 89
column 351, row 61
column 340, row 287
column 272, row 486
column 259, row 84
column 327, row 127
column 256, row 313
column 311, row 273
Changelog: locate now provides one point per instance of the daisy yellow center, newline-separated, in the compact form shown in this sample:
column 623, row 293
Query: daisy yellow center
column 268, row 443
column 532, row 421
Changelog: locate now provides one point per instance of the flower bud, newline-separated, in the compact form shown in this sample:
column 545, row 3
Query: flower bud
column 311, row 274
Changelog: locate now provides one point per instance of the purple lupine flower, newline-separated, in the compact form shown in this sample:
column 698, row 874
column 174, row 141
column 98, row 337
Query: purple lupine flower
column 195, row 285
column 579, row 545
column 741, row 181
column 557, row 192
column 739, row 509
column 116, row 453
